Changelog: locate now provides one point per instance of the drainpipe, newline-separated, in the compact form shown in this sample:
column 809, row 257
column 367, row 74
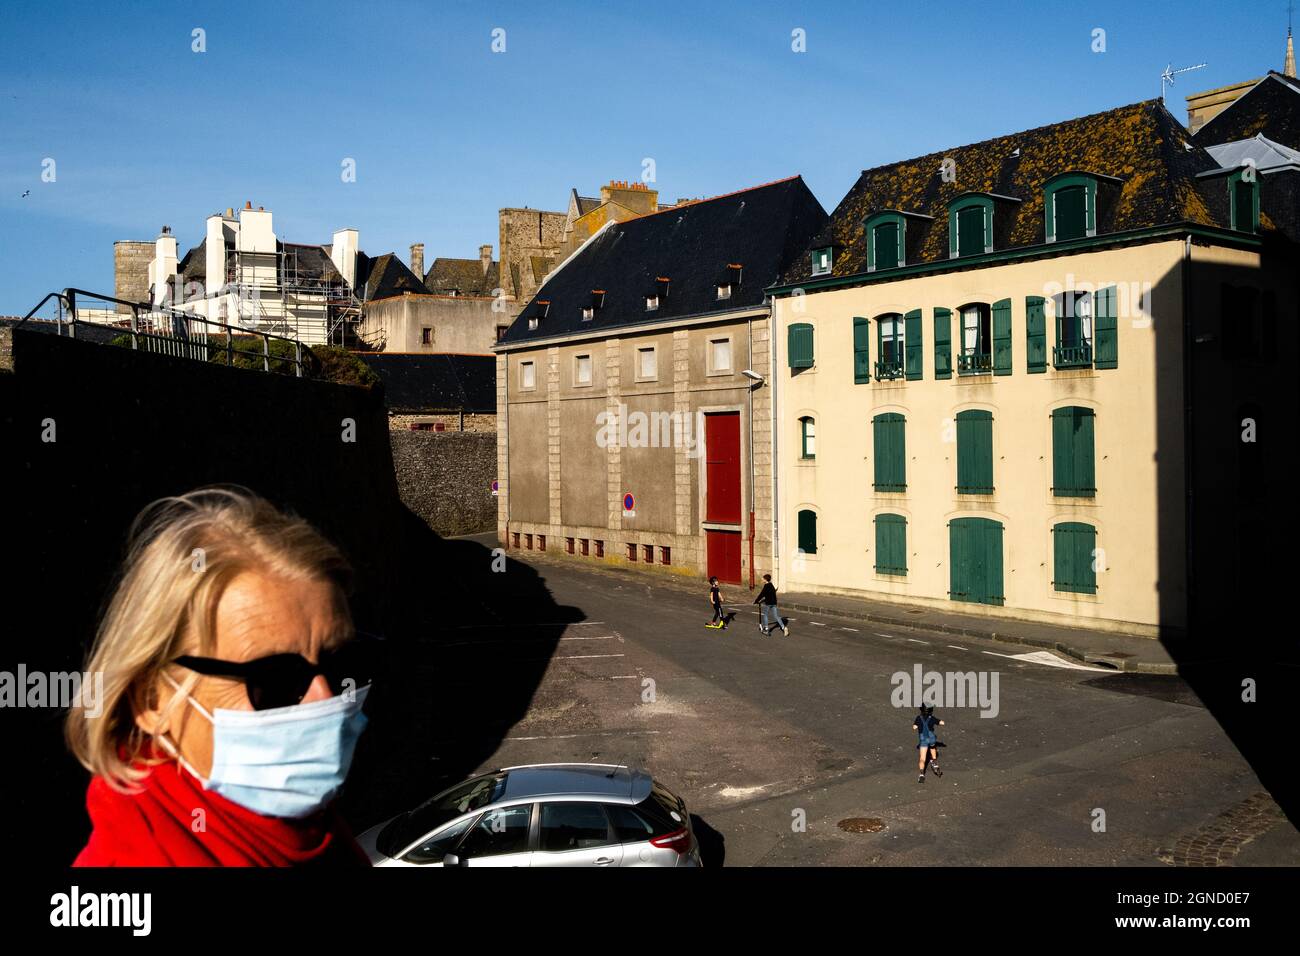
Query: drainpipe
column 752, row 385
column 776, row 470
column 1189, row 495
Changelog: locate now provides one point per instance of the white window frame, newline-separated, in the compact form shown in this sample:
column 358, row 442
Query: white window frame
column 830, row 261
column 588, row 313
column 591, row 370
column 636, row 371
column 651, row 303
column 714, row 368
column 724, row 290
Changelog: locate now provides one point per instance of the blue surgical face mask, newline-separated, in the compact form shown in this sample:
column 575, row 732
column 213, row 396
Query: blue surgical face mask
column 284, row 762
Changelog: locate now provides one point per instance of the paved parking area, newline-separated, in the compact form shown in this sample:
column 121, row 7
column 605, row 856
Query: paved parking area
column 775, row 741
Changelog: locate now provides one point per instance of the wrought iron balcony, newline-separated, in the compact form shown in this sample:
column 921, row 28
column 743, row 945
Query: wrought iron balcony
column 974, row 363
column 886, row 369
column 1072, row 356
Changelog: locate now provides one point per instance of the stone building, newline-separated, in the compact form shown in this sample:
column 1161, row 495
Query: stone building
column 1038, row 375
column 1206, row 105
column 440, row 393
column 633, row 419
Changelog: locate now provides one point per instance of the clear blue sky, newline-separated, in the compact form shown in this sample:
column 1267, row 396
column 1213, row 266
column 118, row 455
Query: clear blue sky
column 444, row 131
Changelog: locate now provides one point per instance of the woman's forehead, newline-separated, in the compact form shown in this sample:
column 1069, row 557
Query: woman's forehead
column 260, row 614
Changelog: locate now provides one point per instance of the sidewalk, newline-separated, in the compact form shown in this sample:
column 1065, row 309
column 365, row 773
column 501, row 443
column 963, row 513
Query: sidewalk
column 1124, row 652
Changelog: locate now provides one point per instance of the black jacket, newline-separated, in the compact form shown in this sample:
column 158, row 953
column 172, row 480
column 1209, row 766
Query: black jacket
column 767, row 595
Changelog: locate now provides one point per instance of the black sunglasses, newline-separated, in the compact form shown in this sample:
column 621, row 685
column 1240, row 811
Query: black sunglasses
column 282, row 680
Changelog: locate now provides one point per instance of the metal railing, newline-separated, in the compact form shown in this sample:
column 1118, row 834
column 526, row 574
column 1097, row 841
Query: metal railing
column 167, row 331
column 974, row 363
column 1072, row 356
column 887, row 369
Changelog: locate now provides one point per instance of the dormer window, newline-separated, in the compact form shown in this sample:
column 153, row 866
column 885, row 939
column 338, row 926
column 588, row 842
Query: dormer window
column 651, row 303
column 724, row 291
column 821, row 261
column 588, row 314
column 1070, row 207
column 1243, row 199
column 970, row 226
column 532, row 324
column 886, row 240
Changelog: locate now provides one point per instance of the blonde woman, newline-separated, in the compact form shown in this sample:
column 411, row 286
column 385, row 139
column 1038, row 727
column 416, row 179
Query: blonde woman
column 233, row 687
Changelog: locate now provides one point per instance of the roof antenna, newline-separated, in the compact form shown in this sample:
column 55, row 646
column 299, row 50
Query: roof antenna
column 1167, row 77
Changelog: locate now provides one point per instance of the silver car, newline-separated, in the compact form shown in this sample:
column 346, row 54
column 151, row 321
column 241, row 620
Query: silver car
column 571, row 814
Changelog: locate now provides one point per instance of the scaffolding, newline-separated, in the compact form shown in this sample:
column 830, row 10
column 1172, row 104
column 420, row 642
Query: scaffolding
column 325, row 301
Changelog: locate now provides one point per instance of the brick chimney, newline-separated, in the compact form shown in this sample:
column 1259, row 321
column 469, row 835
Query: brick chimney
column 417, row 260
column 485, row 257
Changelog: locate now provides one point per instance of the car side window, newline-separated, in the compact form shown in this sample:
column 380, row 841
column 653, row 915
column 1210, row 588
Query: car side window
column 630, row 826
column 439, row 845
column 573, row 826
column 498, row 831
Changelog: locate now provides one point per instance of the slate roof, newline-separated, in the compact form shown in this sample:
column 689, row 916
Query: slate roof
column 1258, row 150
column 388, row 276
column 461, row 277
column 692, row 246
column 1271, row 107
column 428, row 382
column 1141, row 145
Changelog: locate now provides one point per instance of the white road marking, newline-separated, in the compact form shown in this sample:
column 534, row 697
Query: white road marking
column 740, row 791
column 956, row 648
column 1051, row 660
column 853, row 629
column 878, row 634
column 816, row 624
column 915, row 641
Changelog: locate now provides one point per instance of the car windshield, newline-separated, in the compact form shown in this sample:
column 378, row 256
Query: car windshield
column 437, row 810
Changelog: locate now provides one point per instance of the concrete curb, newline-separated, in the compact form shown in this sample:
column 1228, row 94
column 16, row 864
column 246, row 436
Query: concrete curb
column 1119, row 663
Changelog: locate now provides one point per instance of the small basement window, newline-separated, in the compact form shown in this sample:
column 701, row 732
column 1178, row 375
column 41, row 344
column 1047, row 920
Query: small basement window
column 665, row 555
column 600, row 548
column 583, row 547
column 631, row 552
column 648, row 553
column 568, row 545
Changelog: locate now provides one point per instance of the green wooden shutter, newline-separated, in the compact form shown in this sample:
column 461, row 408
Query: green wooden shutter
column 1073, row 544
column 970, row 231
column 808, row 532
column 885, row 245
column 1106, row 329
column 889, row 445
column 975, row 452
column 1073, row 453
column 992, row 563
column 1062, row 452
column 800, row 345
column 861, row 350
column 1002, row 337
column 957, row 559
column 943, row 343
column 891, row 544
column 1071, row 212
column 1035, row 333
column 1085, row 468
column 913, row 343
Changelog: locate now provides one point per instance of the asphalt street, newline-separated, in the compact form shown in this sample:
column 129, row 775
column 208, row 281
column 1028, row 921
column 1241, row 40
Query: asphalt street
column 792, row 751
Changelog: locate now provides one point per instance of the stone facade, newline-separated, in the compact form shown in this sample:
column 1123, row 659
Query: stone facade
column 558, row 472
column 450, row 422
column 131, row 271
column 446, row 478
column 526, row 234
column 433, row 323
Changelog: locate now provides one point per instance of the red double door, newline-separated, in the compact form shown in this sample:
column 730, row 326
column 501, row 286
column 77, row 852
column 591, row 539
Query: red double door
column 722, row 494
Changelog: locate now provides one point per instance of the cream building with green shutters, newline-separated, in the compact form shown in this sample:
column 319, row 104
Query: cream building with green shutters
column 983, row 389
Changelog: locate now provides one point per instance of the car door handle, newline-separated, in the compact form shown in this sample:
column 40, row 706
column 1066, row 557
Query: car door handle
column 604, row 860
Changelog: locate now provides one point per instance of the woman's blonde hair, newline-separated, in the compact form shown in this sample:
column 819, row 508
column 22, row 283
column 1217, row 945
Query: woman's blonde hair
column 182, row 552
